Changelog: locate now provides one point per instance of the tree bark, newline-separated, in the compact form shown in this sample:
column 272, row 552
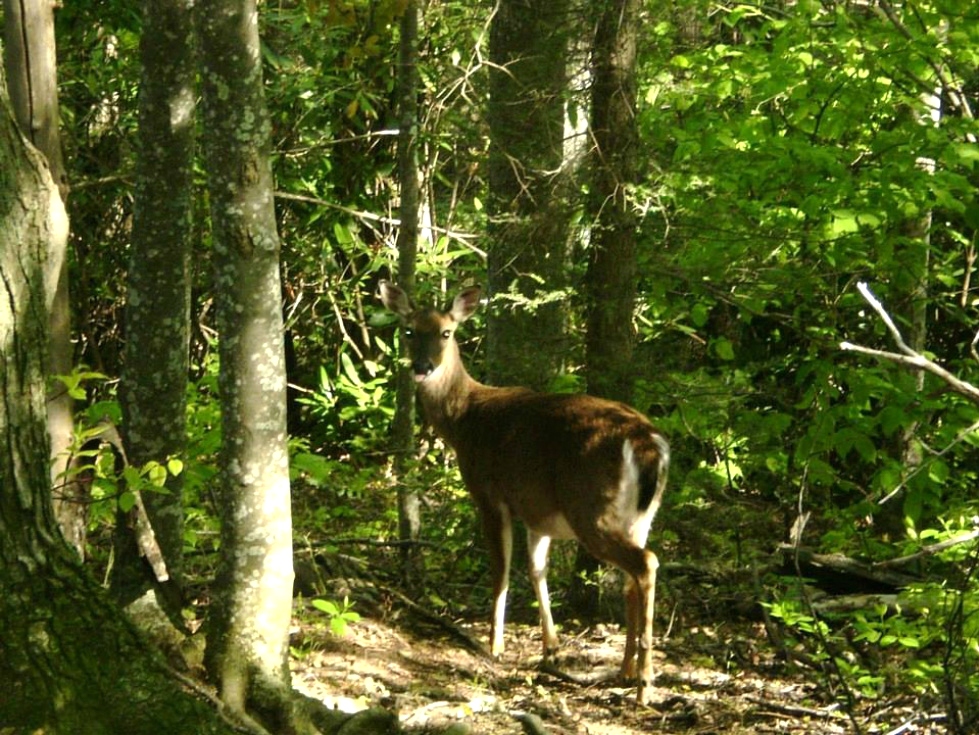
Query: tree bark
column 69, row 661
column 247, row 651
column 610, row 283
column 529, row 211
column 611, row 279
column 409, row 503
column 154, row 379
column 29, row 57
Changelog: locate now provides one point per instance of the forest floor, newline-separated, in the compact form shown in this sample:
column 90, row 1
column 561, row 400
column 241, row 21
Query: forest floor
column 722, row 678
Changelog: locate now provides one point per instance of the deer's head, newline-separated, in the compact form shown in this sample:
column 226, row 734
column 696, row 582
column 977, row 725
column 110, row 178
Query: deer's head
column 430, row 333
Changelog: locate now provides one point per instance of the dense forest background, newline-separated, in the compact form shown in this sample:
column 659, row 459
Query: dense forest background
column 783, row 154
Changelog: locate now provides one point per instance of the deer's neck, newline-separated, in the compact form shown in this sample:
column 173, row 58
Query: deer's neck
column 446, row 395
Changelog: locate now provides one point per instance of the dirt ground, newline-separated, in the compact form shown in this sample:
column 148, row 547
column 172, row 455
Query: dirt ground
column 709, row 680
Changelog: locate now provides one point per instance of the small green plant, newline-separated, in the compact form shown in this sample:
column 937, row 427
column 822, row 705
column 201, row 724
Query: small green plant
column 876, row 626
column 74, row 382
column 353, row 407
column 340, row 615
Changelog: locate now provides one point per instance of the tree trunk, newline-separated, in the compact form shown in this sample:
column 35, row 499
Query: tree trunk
column 529, row 212
column 154, row 379
column 247, row 652
column 69, row 661
column 409, row 504
column 611, row 279
column 29, row 57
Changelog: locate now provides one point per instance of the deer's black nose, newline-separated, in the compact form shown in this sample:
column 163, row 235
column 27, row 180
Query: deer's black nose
column 422, row 368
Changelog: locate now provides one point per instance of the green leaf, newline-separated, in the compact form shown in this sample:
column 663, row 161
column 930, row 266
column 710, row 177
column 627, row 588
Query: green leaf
column 849, row 439
column 350, row 370
column 938, row 471
column 723, row 348
column 699, row 314
column 127, row 501
column 131, row 476
column 156, row 474
column 327, row 606
column 844, row 223
column 892, row 418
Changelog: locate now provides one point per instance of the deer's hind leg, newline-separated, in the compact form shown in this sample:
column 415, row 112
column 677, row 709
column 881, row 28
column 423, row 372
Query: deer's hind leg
column 537, row 548
column 640, row 567
column 646, row 588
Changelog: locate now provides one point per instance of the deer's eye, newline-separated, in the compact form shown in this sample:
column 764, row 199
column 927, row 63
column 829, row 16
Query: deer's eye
column 409, row 333
column 446, row 334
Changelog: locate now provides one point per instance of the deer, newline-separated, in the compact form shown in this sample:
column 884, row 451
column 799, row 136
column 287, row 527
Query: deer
column 567, row 466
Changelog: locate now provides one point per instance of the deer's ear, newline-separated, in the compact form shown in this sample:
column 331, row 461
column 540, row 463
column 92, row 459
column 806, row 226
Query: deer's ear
column 395, row 299
column 466, row 303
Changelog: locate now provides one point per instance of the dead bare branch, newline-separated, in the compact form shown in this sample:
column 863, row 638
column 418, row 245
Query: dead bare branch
column 908, row 357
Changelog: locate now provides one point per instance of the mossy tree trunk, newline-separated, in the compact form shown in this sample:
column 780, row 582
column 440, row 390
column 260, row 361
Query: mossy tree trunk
column 153, row 388
column 409, row 502
column 31, row 66
column 610, row 283
column 611, row 279
column 70, row 663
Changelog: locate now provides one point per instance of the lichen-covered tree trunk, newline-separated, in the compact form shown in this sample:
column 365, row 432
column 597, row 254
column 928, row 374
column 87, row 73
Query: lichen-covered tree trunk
column 528, row 206
column 247, row 650
column 611, row 279
column 69, row 662
column 29, row 58
column 154, row 379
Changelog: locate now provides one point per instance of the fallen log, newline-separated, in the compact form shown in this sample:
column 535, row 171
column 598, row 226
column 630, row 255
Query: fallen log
column 839, row 574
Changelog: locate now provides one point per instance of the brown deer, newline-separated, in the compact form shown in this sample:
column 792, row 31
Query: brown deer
column 568, row 466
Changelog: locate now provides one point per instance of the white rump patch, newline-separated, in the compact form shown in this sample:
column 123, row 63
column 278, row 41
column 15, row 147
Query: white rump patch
column 636, row 523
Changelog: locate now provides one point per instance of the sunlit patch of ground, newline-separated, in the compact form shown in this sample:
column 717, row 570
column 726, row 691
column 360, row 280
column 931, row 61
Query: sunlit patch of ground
column 705, row 682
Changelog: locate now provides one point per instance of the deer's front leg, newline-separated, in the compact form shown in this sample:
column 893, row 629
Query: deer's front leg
column 498, row 529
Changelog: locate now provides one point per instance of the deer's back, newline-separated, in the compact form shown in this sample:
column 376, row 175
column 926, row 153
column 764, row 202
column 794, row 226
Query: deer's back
column 552, row 458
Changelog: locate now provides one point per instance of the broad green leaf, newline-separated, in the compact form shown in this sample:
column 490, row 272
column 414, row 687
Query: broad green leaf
column 723, row 348
column 327, row 606
column 156, row 474
column 127, row 501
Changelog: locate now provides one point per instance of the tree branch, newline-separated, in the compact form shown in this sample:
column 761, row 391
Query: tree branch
column 908, row 357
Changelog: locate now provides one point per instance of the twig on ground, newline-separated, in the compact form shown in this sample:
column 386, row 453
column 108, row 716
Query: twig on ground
column 829, row 713
column 454, row 630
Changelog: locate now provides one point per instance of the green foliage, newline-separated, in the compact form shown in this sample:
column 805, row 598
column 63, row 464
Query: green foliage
column 151, row 477
column 340, row 615
column 113, row 485
column 358, row 396
column 789, row 155
column 74, row 382
column 928, row 641
column 786, row 147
